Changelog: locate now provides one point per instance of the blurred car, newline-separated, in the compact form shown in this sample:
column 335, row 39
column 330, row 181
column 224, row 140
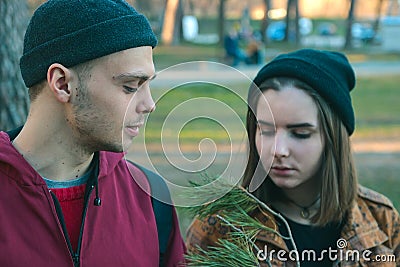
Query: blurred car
column 327, row 29
column 363, row 32
column 305, row 26
column 276, row 30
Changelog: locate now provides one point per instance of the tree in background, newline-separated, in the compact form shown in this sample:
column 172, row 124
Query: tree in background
column 171, row 28
column 292, row 33
column 378, row 15
column 350, row 19
column 265, row 20
column 13, row 93
column 221, row 21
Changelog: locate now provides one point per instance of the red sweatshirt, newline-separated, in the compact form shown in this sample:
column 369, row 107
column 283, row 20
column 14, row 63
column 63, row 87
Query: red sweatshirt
column 72, row 203
column 120, row 232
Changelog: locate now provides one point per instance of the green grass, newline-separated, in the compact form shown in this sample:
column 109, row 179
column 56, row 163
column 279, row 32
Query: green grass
column 376, row 100
column 198, row 101
column 376, row 103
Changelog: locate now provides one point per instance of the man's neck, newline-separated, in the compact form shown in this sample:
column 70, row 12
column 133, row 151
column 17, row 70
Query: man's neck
column 51, row 154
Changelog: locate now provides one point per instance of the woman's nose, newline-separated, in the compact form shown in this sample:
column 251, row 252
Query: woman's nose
column 281, row 145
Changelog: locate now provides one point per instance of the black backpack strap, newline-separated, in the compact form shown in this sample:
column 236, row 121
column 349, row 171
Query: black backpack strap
column 13, row 133
column 162, row 211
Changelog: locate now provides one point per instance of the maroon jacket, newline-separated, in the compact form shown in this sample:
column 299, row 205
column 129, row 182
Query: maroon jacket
column 120, row 232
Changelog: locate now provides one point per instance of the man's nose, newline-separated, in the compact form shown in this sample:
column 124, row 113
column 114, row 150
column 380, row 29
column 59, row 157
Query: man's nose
column 146, row 103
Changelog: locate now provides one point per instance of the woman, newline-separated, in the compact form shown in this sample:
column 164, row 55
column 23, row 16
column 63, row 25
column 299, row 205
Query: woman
column 299, row 121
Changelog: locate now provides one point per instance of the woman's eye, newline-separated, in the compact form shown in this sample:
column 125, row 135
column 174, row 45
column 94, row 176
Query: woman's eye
column 302, row 135
column 129, row 90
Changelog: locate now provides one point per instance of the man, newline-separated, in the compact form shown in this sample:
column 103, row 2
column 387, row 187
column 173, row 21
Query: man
column 67, row 196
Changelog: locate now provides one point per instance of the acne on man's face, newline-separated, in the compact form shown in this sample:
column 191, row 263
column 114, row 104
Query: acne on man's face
column 118, row 98
column 289, row 138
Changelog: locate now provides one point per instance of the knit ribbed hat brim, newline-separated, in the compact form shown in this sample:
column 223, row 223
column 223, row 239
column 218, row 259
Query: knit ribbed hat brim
column 94, row 40
column 328, row 73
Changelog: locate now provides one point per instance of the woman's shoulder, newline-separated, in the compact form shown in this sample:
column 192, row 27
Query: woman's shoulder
column 205, row 232
column 374, row 198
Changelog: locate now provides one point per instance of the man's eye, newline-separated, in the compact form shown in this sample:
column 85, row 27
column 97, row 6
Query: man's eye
column 129, row 90
column 267, row 132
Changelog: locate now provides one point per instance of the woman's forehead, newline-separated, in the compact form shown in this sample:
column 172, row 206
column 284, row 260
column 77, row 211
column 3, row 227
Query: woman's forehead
column 288, row 105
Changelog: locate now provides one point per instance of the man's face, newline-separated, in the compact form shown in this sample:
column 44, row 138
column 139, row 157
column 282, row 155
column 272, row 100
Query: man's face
column 110, row 104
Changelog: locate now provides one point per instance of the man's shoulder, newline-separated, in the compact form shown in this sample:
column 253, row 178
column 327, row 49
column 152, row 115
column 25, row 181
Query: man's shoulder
column 158, row 186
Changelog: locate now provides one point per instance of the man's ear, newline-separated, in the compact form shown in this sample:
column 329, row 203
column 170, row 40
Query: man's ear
column 59, row 80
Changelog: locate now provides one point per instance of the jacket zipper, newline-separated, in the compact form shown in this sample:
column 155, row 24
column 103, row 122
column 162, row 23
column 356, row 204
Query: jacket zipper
column 75, row 255
column 78, row 249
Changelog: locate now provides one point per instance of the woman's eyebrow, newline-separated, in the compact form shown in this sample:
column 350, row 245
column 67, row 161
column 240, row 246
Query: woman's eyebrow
column 300, row 125
column 289, row 126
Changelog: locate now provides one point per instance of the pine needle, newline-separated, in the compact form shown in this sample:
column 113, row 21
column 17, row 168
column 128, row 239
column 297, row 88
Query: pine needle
column 236, row 197
column 233, row 252
column 233, row 209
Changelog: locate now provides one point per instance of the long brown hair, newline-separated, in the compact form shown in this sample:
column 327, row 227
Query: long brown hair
column 339, row 180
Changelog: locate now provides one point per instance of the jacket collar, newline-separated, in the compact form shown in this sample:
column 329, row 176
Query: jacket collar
column 14, row 165
column 362, row 230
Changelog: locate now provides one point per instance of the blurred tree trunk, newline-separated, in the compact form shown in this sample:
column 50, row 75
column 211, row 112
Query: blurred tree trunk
column 265, row 21
column 378, row 15
column 292, row 21
column 143, row 6
column 296, row 22
column 221, row 22
column 172, row 22
column 13, row 93
column 350, row 18
column 287, row 20
column 161, row 21
column 178, row 29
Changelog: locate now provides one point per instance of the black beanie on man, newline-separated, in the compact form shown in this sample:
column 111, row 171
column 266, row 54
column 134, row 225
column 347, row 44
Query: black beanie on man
column 71, row 32
column 328, row 73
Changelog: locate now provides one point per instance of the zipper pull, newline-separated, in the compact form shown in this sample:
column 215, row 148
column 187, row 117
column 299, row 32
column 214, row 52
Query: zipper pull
column 76, row 259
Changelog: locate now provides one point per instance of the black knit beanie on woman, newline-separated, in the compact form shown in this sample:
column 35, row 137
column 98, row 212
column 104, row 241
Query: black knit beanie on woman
column 71, row 32
column 328, row 73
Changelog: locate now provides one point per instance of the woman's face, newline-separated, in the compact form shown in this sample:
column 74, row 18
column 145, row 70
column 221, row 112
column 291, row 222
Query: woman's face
column 289, row 138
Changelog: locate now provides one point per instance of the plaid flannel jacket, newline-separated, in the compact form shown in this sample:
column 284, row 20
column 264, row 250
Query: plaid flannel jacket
column 372, row 227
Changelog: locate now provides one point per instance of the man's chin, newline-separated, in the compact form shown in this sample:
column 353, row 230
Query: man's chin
column 126, row 145
column 116, row 148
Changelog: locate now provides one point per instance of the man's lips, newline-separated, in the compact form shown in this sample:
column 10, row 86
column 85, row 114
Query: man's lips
column 133, row 129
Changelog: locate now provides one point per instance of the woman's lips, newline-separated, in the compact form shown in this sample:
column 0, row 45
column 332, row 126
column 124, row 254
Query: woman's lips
column 282, row 170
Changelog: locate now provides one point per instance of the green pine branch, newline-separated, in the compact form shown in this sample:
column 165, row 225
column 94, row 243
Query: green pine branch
column 233, row 209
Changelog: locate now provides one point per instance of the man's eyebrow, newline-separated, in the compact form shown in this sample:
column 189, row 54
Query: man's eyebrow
column 134, row 75
column 266, row 123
